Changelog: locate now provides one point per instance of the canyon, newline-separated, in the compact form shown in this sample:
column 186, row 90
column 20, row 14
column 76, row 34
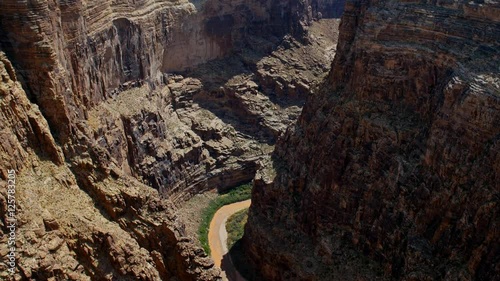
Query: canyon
column 114, row 113
column 369, row 129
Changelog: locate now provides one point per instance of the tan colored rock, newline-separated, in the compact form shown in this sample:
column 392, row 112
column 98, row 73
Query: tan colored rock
column 23, row 129
column 60, row 232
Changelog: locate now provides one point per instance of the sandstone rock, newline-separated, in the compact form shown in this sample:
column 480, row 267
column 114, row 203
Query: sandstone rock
column 55, row 244
column 70, row 245
column 23, row 129
column 50, row 223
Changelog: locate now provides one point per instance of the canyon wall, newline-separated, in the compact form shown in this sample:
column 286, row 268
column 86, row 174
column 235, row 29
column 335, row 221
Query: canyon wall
column 396, row 159
column 73, row 54
column 24, row 131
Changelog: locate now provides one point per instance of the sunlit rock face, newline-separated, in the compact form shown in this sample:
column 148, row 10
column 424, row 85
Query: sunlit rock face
column 396, row 159
column 79, row 220
column 75, row 54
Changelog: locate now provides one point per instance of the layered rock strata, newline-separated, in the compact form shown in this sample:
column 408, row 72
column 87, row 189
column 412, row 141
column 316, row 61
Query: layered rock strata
column 73, row 55
column 24, row 131
column 195, row 134
column 396, row 158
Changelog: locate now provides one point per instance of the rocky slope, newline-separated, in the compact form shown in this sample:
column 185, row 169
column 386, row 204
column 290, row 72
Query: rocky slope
column 211, row 127
column 397, row 158
column 105, row 142
column 79, row 53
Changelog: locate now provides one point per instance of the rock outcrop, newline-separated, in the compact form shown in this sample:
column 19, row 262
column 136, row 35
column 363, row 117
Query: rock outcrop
column 75, row 54
column 195, row 134
column 24, row 131
column 396, row 158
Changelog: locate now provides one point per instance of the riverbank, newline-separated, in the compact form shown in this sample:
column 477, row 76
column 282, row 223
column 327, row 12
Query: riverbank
column 217, row 238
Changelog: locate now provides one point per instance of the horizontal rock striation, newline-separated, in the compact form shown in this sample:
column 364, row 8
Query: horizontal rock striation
column 72, row 56
column 397, row 157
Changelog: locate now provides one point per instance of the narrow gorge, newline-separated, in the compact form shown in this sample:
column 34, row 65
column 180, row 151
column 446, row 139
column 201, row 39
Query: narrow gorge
column 369, row 129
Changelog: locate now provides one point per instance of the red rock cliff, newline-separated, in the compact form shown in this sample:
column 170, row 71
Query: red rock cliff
column 397, row 157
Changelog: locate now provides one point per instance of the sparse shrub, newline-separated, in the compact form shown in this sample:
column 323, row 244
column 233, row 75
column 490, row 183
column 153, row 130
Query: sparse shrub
column 235, row 227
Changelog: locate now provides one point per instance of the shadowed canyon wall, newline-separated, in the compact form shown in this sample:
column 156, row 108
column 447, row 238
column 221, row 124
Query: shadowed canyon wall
column 75, row 54
column 397, row 158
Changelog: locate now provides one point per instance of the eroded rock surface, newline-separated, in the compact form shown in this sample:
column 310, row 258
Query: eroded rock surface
column 195, row 134
column 397, row 157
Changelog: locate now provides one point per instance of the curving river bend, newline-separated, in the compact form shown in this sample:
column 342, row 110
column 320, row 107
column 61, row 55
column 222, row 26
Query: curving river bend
column 217, row 240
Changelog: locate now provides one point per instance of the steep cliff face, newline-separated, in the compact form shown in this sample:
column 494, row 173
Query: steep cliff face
column 75, row 54
column 397, row 157
column 194, row 134
column 24, row 131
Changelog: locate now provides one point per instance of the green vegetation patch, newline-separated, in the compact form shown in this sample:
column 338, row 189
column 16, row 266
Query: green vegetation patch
column 237, row 194
column 235, row 227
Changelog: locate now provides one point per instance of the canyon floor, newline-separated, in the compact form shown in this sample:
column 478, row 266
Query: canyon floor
column 253, row 98
column 203, row 130
column 373, row 146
